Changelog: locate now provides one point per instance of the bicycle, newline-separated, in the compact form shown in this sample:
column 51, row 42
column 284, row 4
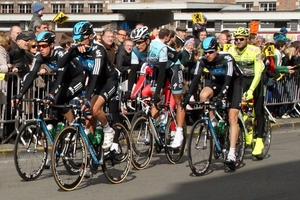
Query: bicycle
column 204, row 140
column 146, row 134
column 247, row 115
column 73, row 146
column 31, row 145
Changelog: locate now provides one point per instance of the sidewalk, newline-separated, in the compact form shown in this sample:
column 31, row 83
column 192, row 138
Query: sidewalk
column 280, row 126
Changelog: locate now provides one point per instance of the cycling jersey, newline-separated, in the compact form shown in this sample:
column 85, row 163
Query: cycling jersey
column 249, row 62
column 159, row 56
column 96, row 62
column 222, row 69
column 38, row 60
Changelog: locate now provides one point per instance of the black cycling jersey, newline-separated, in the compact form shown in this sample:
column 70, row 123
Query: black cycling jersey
column 38, row 60
column 96, row 61
column 222, row 70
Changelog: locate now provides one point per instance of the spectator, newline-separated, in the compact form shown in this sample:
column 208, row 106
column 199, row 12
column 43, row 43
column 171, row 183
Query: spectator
column 173, row 43
column 283, row 30
column 98, row 37
column 19, row 56
column 14, row 32
column 38, row 26
column 261, row 41
column 199, row 26
column 198, row 41
column 66, row 41
column 108, row 42
column 120, row 37
column 123, row 57
column 38, row 10
column 228, row 34
column 154, row 33
column 222, row 39
column 253, row 39
column 180, row 36
column 5, row 65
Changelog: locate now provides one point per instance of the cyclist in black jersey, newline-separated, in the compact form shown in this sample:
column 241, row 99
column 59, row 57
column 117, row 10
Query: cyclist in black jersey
column 225, row 83
column 103, row 77
column 66, row 87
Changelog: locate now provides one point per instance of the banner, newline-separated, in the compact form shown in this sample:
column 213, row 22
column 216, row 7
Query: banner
column 197, row 18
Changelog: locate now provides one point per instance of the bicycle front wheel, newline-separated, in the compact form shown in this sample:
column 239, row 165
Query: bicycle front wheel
column 174, row 155
column 117, row 166
column 30, row 151
column 200, row 146
column 69, row 159
column 142, row 143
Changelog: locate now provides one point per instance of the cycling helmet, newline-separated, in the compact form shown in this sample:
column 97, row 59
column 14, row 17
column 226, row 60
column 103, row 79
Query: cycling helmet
column 82, row 28
column 141, row 33
column 241, row 31
column 46, row 36
column 210, row 44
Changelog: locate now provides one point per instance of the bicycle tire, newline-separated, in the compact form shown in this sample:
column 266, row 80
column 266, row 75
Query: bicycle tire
column 125, row 121
column 267, row 137
column 116, row 168
column 66, row 140
column 136, row 116
column 174, row 155
column 30, row 159
column 142, row 143
column 200, row 157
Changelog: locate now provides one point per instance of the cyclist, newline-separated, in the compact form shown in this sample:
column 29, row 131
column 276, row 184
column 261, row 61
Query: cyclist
column 66, row 87
column 103, row 77
column 226, row 82
column 248, row 58
column 157, row 55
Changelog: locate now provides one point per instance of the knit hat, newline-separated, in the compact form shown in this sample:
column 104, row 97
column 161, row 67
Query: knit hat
column 37, row 6
column 283, row 30
column 189, row 41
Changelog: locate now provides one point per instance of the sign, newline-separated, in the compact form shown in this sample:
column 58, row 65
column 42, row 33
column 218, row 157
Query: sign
column 197, row 18
column 269, row 50
column 226, row 47
column 60, row 18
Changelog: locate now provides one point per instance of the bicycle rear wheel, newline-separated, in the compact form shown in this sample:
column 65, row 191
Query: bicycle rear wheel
column 200, row 148
column 116, row 167
column 142, row 143
column 69, row 159
column 174, row 155
column 267, row 137
column 30, row 151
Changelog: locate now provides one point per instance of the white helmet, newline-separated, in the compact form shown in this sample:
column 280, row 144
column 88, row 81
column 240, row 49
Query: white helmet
column 141, row 33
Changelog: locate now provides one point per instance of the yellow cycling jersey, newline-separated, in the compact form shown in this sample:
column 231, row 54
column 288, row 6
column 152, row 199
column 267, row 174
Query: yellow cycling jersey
column 249, row 62
column 248, row 59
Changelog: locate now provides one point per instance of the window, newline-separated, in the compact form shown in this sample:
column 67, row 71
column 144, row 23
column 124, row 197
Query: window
column 56, row 8
column 95, row 8
column 248, row 6
column 271, row 6
column 7, row 8
column 24, row 8
column 76, row 8
column 125, row 1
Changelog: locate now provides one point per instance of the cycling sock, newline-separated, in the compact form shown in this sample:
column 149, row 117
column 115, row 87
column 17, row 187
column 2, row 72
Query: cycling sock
column 106, row 128
column 179, row 129
column 231, row 151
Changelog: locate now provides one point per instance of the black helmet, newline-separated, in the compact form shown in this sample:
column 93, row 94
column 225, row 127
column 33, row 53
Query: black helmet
column 81, row 29
column 46, row 36
column 209, row 43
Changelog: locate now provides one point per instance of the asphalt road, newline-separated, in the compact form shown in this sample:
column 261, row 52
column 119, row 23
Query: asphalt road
column 275, row 177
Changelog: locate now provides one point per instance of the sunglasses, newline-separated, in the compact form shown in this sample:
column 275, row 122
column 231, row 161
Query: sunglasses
column 34, row 46
column 82, row 38
column 208, row 52
column 239, row 39
column 42, row 45
column 122, row 35
column 139, row 42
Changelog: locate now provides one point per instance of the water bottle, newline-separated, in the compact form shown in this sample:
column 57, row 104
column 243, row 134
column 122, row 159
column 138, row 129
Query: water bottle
column 221, row 127
column 59, row 127
column 98, row 134
column 51, row 130
column 163, row 117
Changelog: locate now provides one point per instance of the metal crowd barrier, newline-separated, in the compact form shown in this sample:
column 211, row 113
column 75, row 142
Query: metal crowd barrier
column 11, row 84
column 283, row 92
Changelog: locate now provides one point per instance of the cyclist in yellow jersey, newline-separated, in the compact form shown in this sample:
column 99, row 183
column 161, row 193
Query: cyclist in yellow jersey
column 248, row 58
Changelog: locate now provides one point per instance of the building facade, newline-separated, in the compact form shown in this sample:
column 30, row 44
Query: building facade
column 221, row 14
